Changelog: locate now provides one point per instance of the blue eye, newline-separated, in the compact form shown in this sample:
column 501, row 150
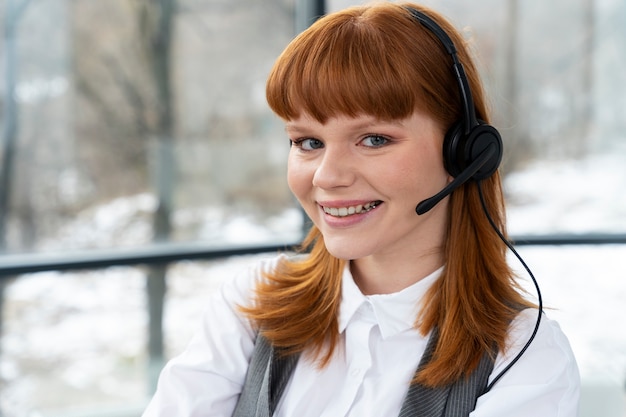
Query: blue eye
column 375, row 141
column 308, row 144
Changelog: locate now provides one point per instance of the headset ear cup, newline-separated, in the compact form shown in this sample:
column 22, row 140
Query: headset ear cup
column 480, row 138
column 460, row 150
column 453, row 153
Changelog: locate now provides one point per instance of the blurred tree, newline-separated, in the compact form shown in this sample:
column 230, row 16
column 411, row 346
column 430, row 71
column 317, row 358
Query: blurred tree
column 587, row 64
column 12, row 14
column 124, row 75
column 156, row 21
column 514, row 140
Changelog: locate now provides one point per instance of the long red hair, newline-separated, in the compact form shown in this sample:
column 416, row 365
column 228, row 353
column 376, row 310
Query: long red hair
column 378, row 60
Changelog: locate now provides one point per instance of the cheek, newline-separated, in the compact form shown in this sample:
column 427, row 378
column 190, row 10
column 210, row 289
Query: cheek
column 419, row 175
column 298, row 179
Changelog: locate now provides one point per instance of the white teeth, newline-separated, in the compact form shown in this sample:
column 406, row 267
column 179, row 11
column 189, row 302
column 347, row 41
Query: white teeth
column 348, row 211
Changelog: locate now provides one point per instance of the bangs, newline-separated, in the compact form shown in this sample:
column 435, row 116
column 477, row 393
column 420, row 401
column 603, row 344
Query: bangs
column 354, row 63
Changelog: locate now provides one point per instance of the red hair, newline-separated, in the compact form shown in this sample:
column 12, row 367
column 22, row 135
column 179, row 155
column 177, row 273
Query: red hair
column 378, row 60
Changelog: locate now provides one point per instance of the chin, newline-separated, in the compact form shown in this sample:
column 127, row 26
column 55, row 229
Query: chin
column 345, row 252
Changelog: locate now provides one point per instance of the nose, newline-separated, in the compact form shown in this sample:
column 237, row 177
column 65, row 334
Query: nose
column 336, row 169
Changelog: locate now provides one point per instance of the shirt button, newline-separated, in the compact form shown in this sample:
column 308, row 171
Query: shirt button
column 355, row 372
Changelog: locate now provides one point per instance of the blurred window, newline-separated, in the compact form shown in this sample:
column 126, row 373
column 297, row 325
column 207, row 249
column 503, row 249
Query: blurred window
column 128, row 123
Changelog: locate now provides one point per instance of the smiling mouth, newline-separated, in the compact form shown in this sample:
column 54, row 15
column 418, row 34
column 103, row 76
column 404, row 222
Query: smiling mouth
column 351, row 210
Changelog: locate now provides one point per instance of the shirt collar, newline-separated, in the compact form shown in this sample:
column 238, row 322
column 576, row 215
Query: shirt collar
column 394, row 312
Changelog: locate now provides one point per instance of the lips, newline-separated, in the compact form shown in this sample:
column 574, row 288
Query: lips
column 351, row 210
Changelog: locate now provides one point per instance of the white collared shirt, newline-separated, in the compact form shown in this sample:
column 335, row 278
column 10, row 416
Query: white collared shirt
column 369, row 375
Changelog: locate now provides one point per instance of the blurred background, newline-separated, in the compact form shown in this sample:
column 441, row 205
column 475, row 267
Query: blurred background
column 140, row 166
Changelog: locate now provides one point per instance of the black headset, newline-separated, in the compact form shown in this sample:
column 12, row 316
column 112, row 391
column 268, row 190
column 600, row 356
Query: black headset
column 472, row 149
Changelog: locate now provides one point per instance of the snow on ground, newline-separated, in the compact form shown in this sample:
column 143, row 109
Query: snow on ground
column 569, row 196
column 77, row 340
column 585, row 284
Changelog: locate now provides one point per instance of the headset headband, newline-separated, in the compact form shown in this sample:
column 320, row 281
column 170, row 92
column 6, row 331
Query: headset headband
column 469, row 113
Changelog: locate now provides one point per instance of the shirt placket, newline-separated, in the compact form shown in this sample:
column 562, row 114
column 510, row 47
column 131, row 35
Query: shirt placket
column 358, row 359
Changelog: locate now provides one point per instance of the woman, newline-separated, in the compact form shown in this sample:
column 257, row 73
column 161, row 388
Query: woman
column 387, row 312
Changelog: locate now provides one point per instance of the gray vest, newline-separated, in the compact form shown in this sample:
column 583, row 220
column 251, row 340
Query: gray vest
column 269, row 372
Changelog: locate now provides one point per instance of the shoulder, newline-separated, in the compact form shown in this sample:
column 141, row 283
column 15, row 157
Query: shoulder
column 239, row 289
column 549, row 349
column 549, row 338
column 544, row 381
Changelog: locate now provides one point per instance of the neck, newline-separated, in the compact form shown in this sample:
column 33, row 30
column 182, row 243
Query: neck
column 374, row 275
